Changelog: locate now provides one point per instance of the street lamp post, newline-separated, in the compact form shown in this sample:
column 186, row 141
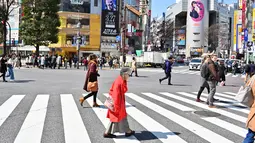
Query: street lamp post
column 78, row 43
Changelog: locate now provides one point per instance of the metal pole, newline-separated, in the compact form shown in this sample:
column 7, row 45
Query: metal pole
column 124, row 32
column 78, row 40
column 10, row 37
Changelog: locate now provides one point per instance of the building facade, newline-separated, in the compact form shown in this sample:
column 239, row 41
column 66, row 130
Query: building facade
column 71, row 13
column 190, row 35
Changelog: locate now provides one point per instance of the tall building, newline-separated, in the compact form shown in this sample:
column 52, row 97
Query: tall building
column 87, row 12
column 192, row 20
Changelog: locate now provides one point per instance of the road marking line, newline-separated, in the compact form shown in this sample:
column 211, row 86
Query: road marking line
column 168, row 102
column 201, row 131
column 74, row 128
column 223, row 124
column 228, row 74
column 32, row 128
column 231, row 93
column 235, row 75
column 8, row 106
column 101, row 114
column 228, row 126
column 229, row 106
column 201, row 105
column 151, row 125
column 228, row 100
column 225, row 95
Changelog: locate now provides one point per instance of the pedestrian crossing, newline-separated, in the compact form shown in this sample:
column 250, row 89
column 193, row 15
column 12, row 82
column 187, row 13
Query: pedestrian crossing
column 167, row 116
column 186, row 71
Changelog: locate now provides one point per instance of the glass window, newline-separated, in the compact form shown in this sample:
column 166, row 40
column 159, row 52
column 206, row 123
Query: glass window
column 71, row 40
column 96, row 3
column 72, row 6
column 72, row 23
column 196, row 61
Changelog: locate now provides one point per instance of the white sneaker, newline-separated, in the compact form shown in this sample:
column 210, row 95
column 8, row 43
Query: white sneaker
column 12, row 80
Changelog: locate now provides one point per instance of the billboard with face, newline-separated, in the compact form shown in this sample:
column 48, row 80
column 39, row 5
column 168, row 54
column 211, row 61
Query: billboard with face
column 196, row 10
column 110, row 18
column 110, row 5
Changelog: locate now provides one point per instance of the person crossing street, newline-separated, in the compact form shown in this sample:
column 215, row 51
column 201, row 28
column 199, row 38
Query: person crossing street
column 168, row 69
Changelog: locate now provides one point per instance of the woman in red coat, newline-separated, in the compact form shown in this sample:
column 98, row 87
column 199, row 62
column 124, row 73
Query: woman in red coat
column 118, row 117
column 91, row 76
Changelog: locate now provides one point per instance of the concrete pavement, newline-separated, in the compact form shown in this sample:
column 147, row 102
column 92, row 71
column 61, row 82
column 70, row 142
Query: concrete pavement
column 172, row 110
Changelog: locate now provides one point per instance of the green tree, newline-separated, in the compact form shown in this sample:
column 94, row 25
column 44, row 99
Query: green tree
column 6, row 7
column 40, row 22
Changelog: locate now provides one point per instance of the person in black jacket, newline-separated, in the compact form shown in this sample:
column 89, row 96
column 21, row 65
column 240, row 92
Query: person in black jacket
column 3, row 67
column 222, row 70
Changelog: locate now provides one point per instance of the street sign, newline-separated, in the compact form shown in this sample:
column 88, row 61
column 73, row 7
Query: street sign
column 245, row 34
column 118, row 38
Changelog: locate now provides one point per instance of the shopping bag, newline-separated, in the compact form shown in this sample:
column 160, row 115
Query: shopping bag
column 245, row 95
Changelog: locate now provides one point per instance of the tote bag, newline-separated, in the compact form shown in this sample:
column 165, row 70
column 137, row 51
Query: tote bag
column 109, row 103
column 244, row 95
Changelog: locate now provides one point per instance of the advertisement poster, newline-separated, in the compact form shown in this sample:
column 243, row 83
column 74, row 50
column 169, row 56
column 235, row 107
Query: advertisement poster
column 181, row 37
column 110, row 18
column 196, row 15
column 240, row 4
column 110, row 5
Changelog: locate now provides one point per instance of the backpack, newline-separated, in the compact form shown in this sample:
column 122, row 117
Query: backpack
column 164, row 66
column 205, row 73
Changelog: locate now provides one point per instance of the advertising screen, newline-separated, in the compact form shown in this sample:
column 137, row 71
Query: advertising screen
column 110, row 23
column 110, row 18
column 110, row 5
column 181, row 36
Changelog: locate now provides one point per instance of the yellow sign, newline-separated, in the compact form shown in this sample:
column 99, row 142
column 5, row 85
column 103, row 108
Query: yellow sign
column 235, row 23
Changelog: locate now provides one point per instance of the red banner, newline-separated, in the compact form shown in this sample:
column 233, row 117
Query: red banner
column 243, row 13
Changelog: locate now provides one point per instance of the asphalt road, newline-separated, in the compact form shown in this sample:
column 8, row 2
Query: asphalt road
column 42, row 106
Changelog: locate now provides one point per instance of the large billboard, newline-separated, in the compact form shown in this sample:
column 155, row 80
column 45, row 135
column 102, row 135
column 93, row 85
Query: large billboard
column 110, row 18
column 197, row 22
column 14, row 23
column 181, row 37
column 237, row 30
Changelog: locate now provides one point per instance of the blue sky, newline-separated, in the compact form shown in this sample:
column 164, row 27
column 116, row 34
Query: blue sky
column 160, row 6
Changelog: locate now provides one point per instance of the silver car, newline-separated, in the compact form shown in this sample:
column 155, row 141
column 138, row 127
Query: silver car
column 195, row 64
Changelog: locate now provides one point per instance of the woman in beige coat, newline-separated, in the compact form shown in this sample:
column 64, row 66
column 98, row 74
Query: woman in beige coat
column 134, row 67
column 251, row 119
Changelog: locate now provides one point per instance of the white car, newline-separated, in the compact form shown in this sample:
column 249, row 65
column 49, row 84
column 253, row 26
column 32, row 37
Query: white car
column 195, row 64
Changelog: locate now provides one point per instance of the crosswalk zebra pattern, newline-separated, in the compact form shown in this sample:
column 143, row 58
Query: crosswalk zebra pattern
column 168, row 117
column 187, row 71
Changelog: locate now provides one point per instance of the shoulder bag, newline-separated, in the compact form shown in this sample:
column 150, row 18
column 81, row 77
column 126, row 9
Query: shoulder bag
column 245, row 94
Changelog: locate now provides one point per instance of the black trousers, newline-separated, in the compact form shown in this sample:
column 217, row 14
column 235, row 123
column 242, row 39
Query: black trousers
column 168, row 76
column 94, row 94
column 134, row 71
column 3, row 75
column 201, row 90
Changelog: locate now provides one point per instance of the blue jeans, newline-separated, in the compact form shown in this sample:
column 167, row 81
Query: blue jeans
column 249, row 137
column 11, row 73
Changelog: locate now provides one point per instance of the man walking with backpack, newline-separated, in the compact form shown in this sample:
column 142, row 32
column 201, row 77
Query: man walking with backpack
column 212, row 79
column 204, row 76
column 168, row 69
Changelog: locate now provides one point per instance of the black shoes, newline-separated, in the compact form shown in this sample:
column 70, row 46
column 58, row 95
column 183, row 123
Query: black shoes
column 170, row 84
column 160, row 81
column 109, row 136
column 129, row 134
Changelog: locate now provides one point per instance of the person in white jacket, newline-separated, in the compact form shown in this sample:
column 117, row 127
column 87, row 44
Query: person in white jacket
column 42, row 61
column 59, row 61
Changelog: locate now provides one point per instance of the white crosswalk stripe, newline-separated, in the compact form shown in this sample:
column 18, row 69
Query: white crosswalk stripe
column 178, row 108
